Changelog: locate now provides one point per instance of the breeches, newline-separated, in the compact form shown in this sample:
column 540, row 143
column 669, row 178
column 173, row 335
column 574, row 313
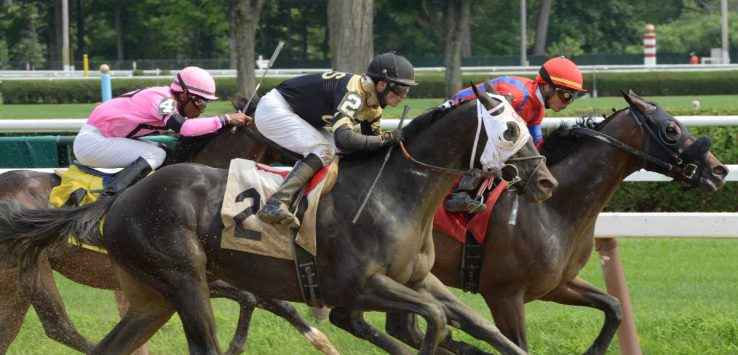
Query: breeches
column 95, row 150
column 276, row 120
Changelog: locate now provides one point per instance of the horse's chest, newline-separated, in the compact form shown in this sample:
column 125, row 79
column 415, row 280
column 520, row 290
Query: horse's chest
column 412, row 263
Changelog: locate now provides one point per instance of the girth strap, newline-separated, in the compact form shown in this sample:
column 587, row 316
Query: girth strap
column 471, row 264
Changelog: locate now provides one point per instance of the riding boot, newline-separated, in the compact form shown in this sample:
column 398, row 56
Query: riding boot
column 461, row 199
column 277, row 207
column 127, row 177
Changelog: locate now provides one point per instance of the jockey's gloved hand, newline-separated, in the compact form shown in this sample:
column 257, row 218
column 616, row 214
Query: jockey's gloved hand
column 238, row 119
column 588, row 122
column 391, row 137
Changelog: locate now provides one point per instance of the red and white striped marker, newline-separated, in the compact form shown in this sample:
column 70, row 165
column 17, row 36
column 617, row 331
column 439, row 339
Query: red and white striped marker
column 649, row 46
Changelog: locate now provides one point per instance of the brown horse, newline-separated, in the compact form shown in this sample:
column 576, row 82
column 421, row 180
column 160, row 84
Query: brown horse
column 540, row 257
column 380, row 263
column 91, row 268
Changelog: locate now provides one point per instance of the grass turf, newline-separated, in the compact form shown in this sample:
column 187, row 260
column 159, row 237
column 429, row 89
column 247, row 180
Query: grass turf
column 683, row 293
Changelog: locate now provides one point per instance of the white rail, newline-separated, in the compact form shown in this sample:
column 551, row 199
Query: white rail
column 72, row 125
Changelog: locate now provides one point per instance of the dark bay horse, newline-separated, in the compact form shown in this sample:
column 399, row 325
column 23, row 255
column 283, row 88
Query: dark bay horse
column 381, row 263
column 91, row 268
column 541, row 256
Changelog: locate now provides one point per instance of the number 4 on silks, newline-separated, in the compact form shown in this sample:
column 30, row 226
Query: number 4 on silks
column 240, row 231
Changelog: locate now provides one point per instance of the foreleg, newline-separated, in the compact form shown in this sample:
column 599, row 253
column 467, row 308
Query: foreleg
column 461, row 316
column 578, row 292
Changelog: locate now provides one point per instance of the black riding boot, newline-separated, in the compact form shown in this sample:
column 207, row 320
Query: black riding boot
column 461, row 199
column 127, row 177
column 277, row 207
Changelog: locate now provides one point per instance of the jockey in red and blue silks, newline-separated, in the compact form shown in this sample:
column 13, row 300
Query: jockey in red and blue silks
column 558, row 84
column 524, row 96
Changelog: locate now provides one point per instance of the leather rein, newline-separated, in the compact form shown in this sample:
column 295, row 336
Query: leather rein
column 687, row 170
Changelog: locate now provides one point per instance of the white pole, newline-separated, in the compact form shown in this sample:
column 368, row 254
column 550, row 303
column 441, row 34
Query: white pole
column 724, row 16
column 65, row 36
column 523, row 59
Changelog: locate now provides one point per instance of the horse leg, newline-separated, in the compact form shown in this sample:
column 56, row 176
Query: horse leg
column 509, row 316
column 246, row 302
column 40, row 289
column 147, row 312
column 285, row 310
column 404, row 326
column 385, row 294
column 122, row 302
column 578, row 292
column 464, row 318
column 13, row 308
column 354, row 323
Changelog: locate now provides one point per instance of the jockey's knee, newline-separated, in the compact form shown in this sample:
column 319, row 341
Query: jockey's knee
column 155, row 157
column 325, row 155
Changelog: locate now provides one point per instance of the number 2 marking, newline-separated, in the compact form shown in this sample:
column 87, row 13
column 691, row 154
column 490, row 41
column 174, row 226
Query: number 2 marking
column 350, row 104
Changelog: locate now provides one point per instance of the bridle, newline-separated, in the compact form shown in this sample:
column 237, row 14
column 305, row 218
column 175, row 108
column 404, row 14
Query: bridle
column 674, row 162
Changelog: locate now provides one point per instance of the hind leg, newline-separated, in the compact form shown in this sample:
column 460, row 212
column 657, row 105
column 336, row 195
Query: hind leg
column 13, row 308
column 40, row 289
column 147, row 312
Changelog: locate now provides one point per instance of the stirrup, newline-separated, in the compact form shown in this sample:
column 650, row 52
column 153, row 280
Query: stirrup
column 464, row 204
column 274, row 213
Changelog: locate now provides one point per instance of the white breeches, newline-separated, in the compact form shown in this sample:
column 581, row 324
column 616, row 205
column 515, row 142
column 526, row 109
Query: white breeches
column 275, row 120
column 95, row 150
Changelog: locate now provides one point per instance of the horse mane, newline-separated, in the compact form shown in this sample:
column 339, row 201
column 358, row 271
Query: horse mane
column 416, row 125
column 560, row 143
column 186, row 147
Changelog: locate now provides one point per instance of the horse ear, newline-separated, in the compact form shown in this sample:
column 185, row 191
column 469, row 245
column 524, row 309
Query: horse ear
column 637, row 102
column 490, row 89
column 486, row 100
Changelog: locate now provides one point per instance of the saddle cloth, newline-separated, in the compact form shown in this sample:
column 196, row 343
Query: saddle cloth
column 455, row 224
column 79, row 186
column 248, row 187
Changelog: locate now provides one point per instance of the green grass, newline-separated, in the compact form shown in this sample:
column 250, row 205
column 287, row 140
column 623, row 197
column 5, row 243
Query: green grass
column 684, row 295
column 677, row 105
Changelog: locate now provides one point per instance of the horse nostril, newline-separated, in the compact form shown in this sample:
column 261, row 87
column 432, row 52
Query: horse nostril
column 547, row 184
column 720, row 170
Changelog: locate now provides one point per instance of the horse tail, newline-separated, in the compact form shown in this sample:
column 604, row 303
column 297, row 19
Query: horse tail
column 25, row 232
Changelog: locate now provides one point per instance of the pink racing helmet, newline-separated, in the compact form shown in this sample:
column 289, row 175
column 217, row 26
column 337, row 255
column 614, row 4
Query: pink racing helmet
column 196, row 81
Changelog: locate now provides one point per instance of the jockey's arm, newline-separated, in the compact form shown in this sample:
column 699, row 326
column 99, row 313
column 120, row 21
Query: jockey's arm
column 348, row 140
column 195, row 127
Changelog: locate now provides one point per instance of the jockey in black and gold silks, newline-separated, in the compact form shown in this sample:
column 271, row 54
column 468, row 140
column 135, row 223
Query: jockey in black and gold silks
column 296, row 113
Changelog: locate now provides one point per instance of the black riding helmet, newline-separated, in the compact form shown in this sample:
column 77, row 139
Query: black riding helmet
column 392, row 68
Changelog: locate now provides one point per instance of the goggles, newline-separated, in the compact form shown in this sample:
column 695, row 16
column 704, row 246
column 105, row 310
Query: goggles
column 399, row 90
column 566, row 95
column 198, row 101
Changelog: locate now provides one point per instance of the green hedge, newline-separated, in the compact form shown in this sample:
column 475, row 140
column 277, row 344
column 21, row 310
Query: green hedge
column 431, row 86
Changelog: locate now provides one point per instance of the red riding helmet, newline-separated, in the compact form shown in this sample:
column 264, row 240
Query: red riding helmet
column 561, row 72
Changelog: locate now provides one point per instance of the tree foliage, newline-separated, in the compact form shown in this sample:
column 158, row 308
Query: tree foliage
column 199, row 29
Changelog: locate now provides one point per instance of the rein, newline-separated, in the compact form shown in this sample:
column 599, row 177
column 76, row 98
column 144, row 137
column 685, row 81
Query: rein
column 441, row 169
column 688, row 171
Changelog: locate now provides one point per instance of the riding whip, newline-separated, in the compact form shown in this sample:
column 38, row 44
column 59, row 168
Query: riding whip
column 386, row 158
column 263, row 75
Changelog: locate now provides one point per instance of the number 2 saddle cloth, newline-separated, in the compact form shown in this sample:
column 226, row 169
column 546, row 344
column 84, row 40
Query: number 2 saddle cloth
column 249, row 186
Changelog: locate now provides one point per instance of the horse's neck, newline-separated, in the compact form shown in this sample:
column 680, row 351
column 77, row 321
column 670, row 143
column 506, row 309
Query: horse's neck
column 444, row 143
column 589, row 176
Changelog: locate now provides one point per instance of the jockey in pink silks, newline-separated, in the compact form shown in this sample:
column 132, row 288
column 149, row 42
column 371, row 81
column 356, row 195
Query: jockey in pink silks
column 110, row 138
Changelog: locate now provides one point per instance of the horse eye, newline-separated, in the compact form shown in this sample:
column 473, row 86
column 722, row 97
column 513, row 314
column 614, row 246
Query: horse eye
column 512, row 132
column 672, row 130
